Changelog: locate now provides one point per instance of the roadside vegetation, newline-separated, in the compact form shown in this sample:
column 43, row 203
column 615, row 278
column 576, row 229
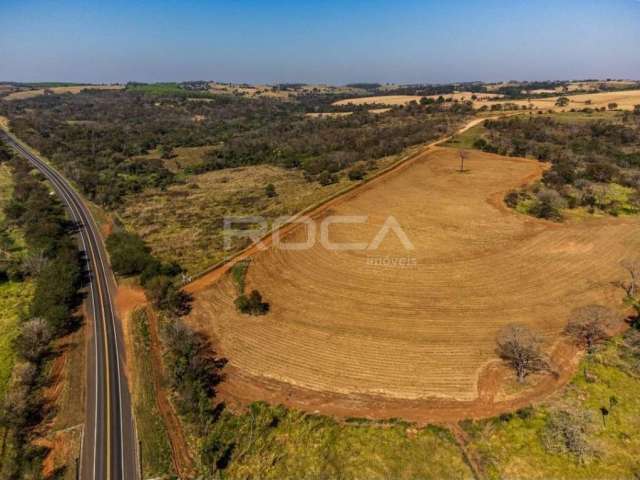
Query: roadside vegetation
column 154, row 439
column 40, row 258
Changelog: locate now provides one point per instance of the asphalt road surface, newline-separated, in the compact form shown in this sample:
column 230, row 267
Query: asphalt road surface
column 109, row 447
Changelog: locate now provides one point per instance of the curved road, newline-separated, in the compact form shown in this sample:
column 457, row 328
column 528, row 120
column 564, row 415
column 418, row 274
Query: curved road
column 109, row 448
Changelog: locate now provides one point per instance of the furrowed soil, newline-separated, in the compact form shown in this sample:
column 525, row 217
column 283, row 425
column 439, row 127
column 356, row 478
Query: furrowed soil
column 354, row 334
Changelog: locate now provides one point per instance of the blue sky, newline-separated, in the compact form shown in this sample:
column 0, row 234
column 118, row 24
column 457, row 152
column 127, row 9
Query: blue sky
column 329, row 41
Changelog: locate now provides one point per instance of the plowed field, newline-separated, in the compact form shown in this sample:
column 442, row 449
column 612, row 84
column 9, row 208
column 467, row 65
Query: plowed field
column 353, row 323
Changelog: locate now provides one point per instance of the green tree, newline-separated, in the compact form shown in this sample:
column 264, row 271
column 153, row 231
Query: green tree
column 128, row 252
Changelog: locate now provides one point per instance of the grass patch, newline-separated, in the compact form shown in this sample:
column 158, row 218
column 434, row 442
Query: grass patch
column 184, row 223
column 273, row 443
column 239, row 274
column 182, row 158
column 514, row 446
column 156, row 450
column 15, row 298
column 468, row 138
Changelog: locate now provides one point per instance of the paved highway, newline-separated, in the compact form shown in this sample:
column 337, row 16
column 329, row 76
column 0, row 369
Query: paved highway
column 109, row 448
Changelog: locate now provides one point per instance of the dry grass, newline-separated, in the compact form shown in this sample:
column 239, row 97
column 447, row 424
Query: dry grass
column 625, row 99
column 405, row 99
column 380, row 100
column 268, row 91
column 340, row 324
column 344, row 114
column 182, row 157
column 75, row 89
column 184, row 223
column 328, row 114
column 4, row 122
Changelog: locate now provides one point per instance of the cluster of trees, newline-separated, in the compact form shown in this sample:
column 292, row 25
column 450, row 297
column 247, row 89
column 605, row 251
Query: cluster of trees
column 52, row 261
column 585, row 158
column 322, row 149
column 130, row 256
column 521, row 347
column 192, row 366
column 194, row 372
column 97, row 138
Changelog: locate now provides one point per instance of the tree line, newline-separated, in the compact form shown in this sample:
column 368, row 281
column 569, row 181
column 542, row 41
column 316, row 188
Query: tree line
column 54, row 264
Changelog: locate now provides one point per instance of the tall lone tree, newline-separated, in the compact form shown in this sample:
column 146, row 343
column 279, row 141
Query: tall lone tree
column 589, row 325
column 521, row 348
column 463, row 157
column 631, row 286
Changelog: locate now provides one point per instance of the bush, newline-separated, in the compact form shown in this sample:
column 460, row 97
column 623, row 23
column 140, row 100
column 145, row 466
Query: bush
column 548, row 205
column 270, row 190
column 512, row 199
column 356, row 174
column 326, row 178
column 566, row 433
column 252, row 304
column 239, row 273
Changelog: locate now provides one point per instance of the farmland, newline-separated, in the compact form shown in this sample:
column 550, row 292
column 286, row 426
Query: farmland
column 405, row 99
column 625, row 100
column 24, row 94
column 345, row 325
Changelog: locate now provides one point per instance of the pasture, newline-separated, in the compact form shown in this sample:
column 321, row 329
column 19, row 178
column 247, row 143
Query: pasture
column 405, row 99
column 24, row 94
column 625, row 100
column 352, row 324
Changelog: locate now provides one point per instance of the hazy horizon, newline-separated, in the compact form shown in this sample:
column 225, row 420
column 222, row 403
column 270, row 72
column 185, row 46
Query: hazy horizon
column 329, row 43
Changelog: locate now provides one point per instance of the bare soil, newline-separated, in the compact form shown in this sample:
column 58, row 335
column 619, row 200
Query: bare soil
column 352, row 339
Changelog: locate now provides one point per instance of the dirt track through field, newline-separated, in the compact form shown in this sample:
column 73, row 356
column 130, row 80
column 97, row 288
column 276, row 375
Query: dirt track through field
column 349, row 337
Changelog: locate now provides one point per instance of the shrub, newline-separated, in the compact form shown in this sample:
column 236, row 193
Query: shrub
column 356, row 174
column 548, row 205
column 270, row 190
column 512, row 199
column 252, row 304
column 566, row 433
column 239, row 273
column 327, row 178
